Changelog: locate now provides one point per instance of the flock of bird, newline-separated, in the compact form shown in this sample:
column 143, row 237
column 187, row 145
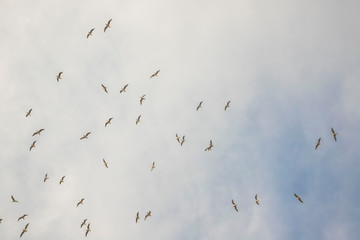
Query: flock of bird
column 85, row 136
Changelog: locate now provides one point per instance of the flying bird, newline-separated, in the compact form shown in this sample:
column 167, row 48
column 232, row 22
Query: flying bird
column 183, row 140
column 210, row 146
column 177, row 138
column 32, row 145
column 334, row 133
column 318, row 143
column 38, row 132
column 227, row 105
column 153, row 166
column 147, row 215
column 105, row 89
column 83, row 223
column 256, row 200
column 124, row 88
column 1, row 220
column 13, row 199
column 138, row 119
column 29, row 112
column 87, row 230
column 105, row 163
column 142, row 98
column 298, row 197
column 24, row 230
column 58, row 77
column 155, row 74
column 80, row 202
column 107, row 25
column 108, row 122
column 199, row 106
column 137, row 217
column 90, row 33
column 62, row 180
column 235, row 205
column 85, row 136
column 46, row 177
column 22, row 217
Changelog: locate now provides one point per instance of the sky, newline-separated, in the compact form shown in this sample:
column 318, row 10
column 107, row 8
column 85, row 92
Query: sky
column 289, row 68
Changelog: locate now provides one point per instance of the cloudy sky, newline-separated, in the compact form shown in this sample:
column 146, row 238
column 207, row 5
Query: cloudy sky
column 290, row 69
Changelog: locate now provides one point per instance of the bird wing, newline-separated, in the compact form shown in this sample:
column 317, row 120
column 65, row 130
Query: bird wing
column 26, row 226
column 22, row 233
column 300, row 200
column 12, row 197
column 256, row 197
column 335, row 137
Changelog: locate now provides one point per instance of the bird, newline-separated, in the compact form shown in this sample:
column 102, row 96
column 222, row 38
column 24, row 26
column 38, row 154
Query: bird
column 90, row 33
column 199, row 106
column 85, row 136
column 58, row 77
column 29, row 112
column 38, row 132
column 147, row 215
column 22, row 217
column 210, row 146
column 142, row 98
column 183, row 140
column 13, row 199
column 256, row 200
column 334, row 133
column 155, row 74
column 298, row 197
column 153, row 166
column 105, row 163
column 107, row 25
column 138, row 119
column 108, row 122
column 46, row 177
column 318, row 143
column 227, row 105
column 137, row 217
column 105, row 89
column 32, row 145
column 177, row 138
column 87, row 230
column 83, row 223
column 235, row 205
column 24, row 230
column 80, row 202
column 1, row 220
column 124, row 88
column 62, row 180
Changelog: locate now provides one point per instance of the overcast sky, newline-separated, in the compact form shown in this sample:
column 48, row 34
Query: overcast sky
column 290, row 69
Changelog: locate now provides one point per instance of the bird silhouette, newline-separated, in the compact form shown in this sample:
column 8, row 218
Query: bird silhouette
column 29, row 112
column 105, row 88
column 182, row 141
column 177, row 138
column 22, row 217
column 107, row 25
column 155, row 74
column 90, row 33
column 142, row 98
column 318, row 143
column 83, row 223
column 227, row 105
column 62, row 180
column 108, row 122
column 235, row 205
column 210, row 146
column 153, row 166
column 58, row 77
column 105, row 163
column 85, row 136
column 24, row 230
column 124, row 88
column 87, row 230
column 256, row 200
column 137, row 217
column 80, row 202
column 147, row 215
column 38, row 132
column 138, row 119
column 13, row 199
column 298, row 197
column 46, row 177
column 334, row 133
column 32, row 145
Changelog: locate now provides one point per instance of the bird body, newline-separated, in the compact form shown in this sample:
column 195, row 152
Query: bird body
column 298, row 197
column 105, row 163
column 87, row 230
column 58, row 77
column 138, row 119
column 256, row 200
column 29, row 112
column 107, row 25
column 32, row 145
column 62, row 180
column 234, row 205
column 227, row 105
column 83, row 223
column 46, row 177
column 38, row 132
column 155, row 74
column 147, row 215
column 85, row 136
column 153, row 166
column 22, row 217
column 24, row 230
column 108, row 122
column 183, row 140
column 142, row 98
column 105, row 88
column 90, row 33
column 318, row 143
column 177, row 138
column 124, row 88
column 334, row 133
column 137, row 217
column 210, row 146
column 199, row 106
column 13, row 199
column 80, row 202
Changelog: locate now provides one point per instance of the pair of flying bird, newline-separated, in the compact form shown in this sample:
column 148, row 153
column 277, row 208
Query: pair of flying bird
column 200, row 105
column 35, row 133
column 178, row 139
column 88, row 227
column 148, row 214
column 319, row 140
column 107, row 25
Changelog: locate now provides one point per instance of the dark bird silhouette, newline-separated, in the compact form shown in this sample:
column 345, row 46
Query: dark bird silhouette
column 87, row 230
column 105, row 163
column 90, row 33
column 29, row 112
column 199, row 106
column 22, row 217
column 147, row 215
column 38, row 132
column 138, row 119
column 1, row 220
column 298, row 197
column 210, row 146
column 137, row 217
column 105, row 88
column 58, row 77
column 83, row 223
column 85, row 136
column 142, row 98
column 153, row 166
column 177, row 138
column 107, row 25
column 13, row 199
column 80, row 202
column 124, row 88
column 318, row 143
column 227, row 105
column 256, row 200
column 108, row 122
column 155, row 74
column 46, row 177
column 235, row 205
column 62, row 180
column 32, row 145
column 334, row 133
column 183, row 140
column 24, row 230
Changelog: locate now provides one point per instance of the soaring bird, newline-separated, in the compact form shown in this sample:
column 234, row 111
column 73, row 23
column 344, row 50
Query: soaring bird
column 80, row 202
column 85, row 136
column 46, row 177
column 138, row 119
column 256, row 200
column 147, row 215
column 105, row 163
column 62, row 180
column 227, row 105
column 177, row 138
column 334, row 133
column 142, row 98
column 105, row 89
column 24, row 230
column 124, row 88
column 153, row 166
column 90, row 33
column 29, row 112
column 22, row 217
column 210, row 146
column 235, row 205
column 38, row 132
column 183, row 140
column 199, row 106
column 155, row 74
column 108, row 122
column 318, row 143
column 107, row 25
column 298, row 197
column 58, row 77
column 83, row 223
column 137, row 217
column 87, row 230
column 32, row 145
column 13, row 199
